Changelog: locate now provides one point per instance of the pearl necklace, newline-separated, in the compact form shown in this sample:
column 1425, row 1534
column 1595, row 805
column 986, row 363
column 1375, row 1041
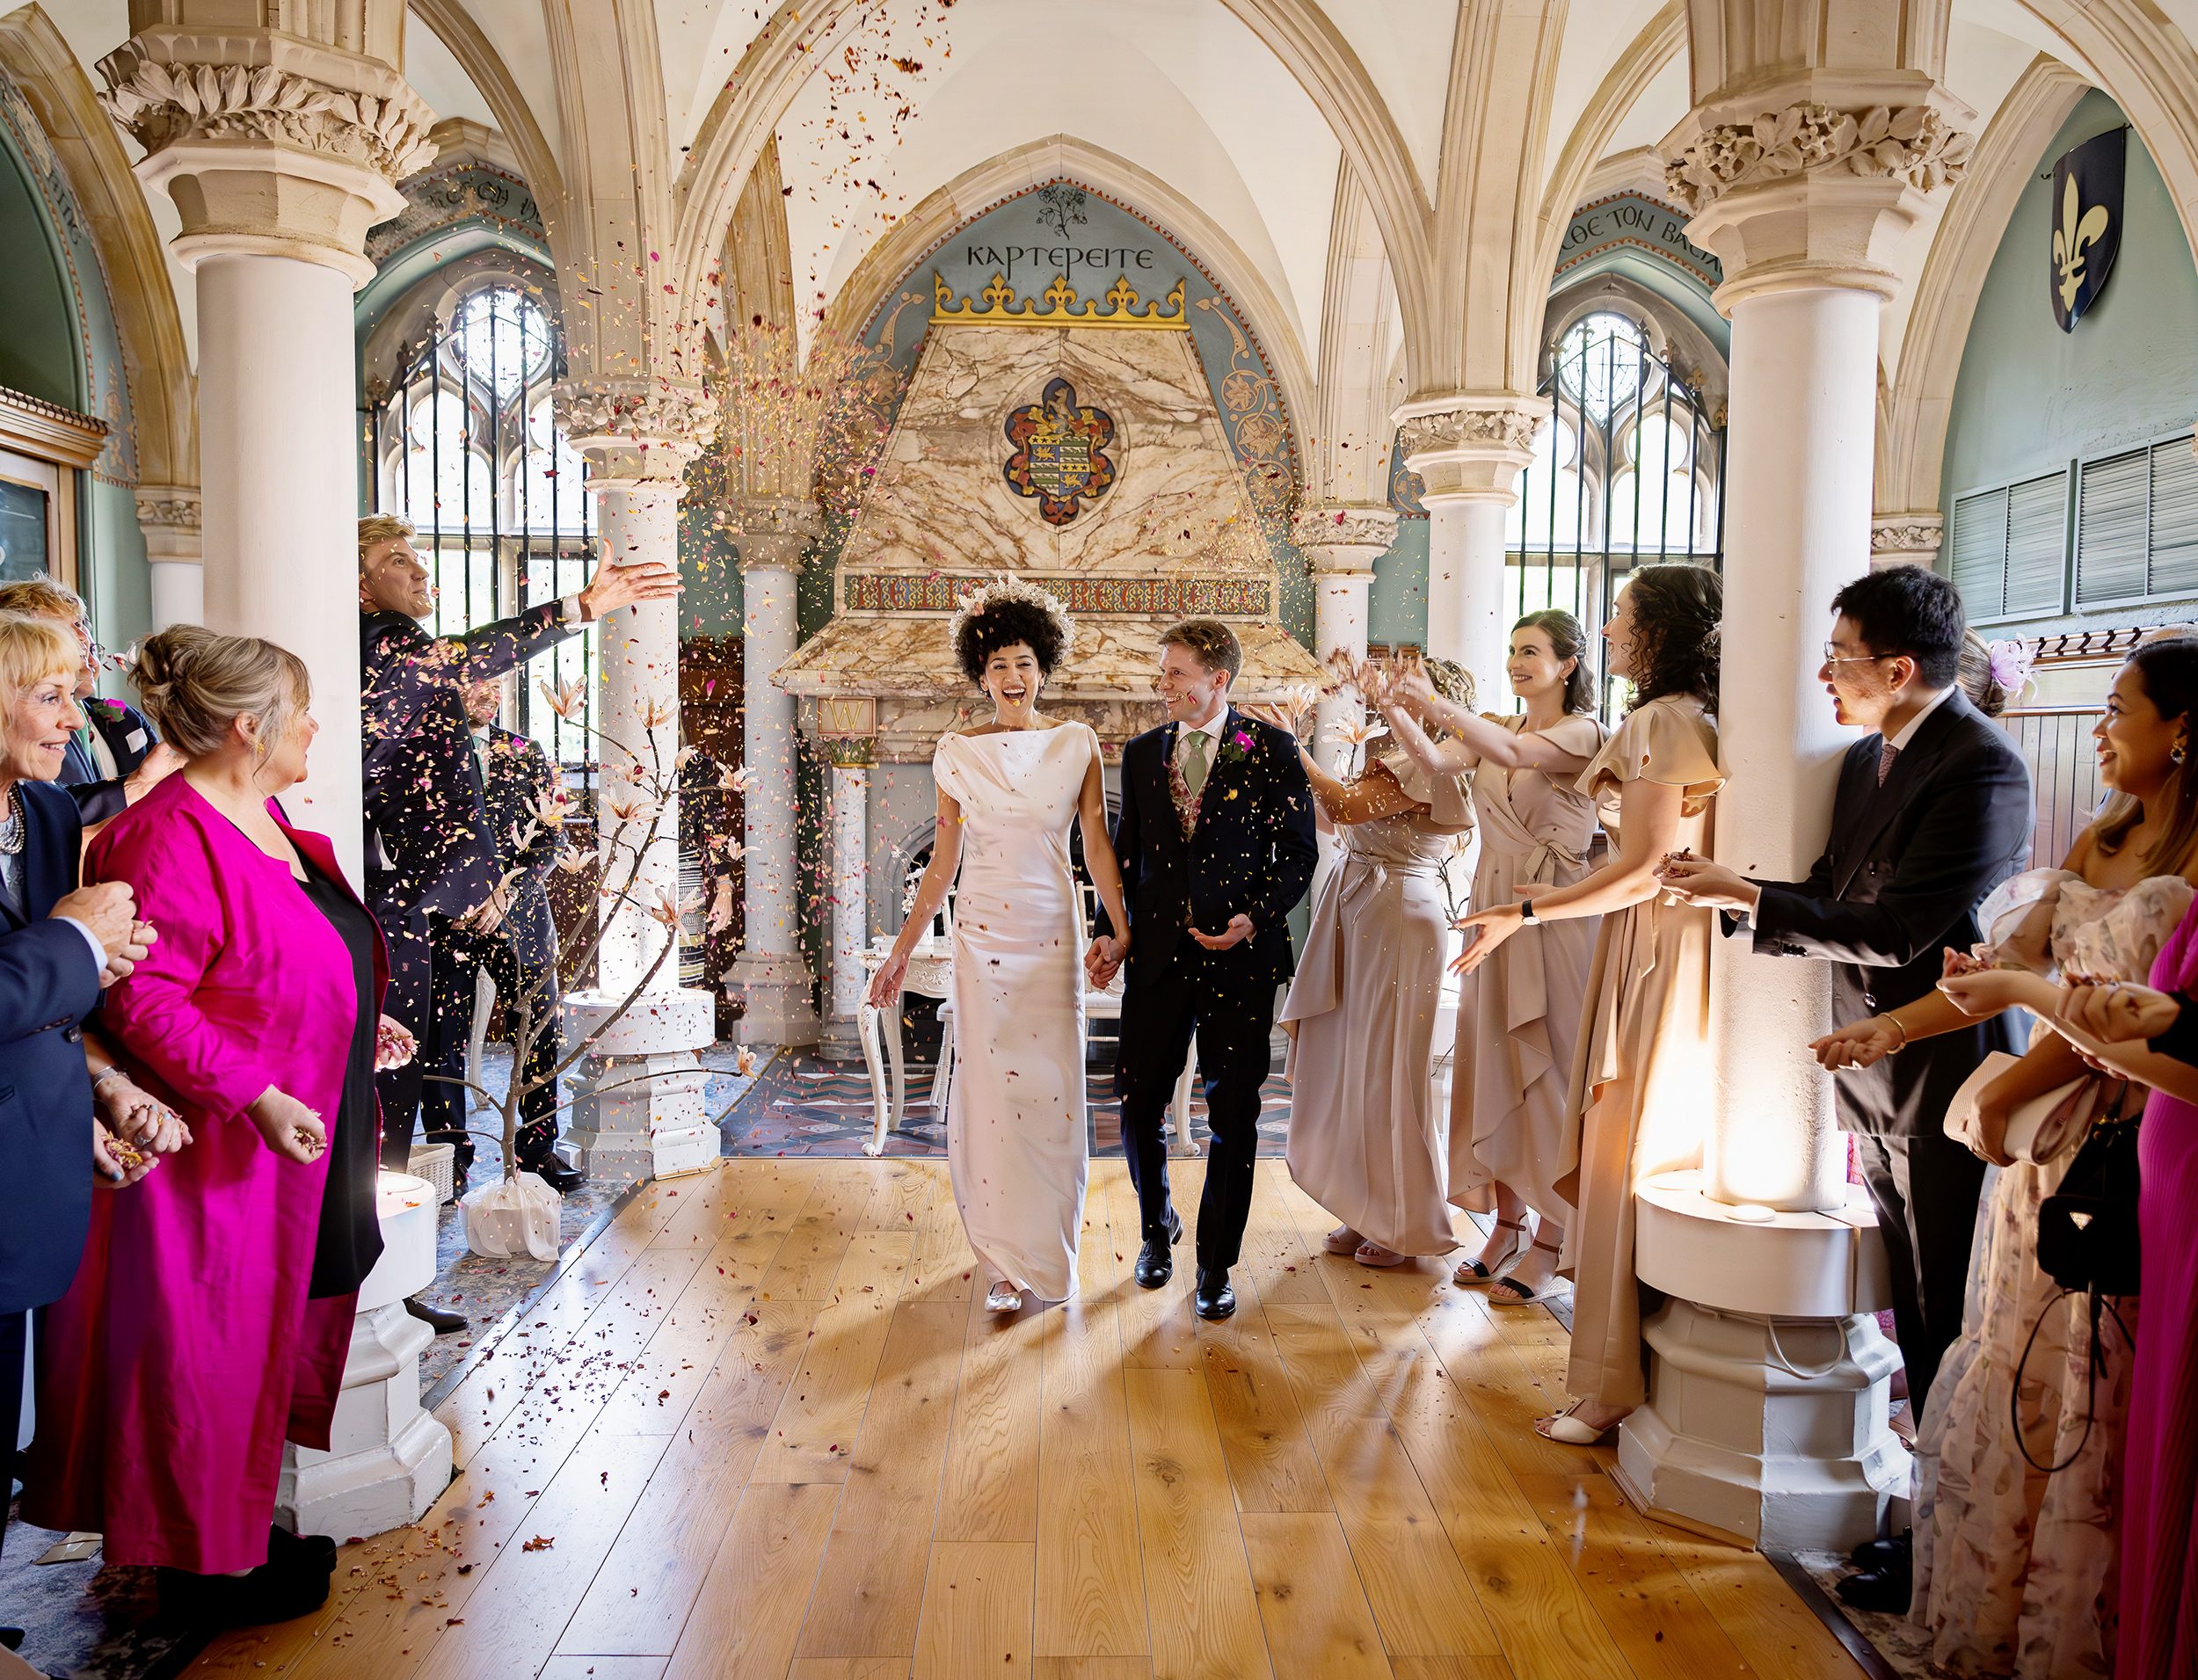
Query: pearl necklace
column 13, row 830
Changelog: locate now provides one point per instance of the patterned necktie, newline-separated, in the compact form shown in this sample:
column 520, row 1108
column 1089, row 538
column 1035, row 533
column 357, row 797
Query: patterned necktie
column 1191, row 756
column 1886, row 753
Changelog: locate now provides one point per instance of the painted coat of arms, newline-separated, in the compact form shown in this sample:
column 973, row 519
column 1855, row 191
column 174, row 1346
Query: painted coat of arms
column 1060, row 452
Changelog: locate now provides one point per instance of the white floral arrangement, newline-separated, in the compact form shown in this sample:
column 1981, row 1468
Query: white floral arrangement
column 1004, row 588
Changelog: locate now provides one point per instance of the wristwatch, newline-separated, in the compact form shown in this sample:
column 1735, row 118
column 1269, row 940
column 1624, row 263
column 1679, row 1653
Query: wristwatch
column 1526, row 910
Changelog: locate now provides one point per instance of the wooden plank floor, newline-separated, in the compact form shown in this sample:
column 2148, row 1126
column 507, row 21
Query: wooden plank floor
column 764, row 1427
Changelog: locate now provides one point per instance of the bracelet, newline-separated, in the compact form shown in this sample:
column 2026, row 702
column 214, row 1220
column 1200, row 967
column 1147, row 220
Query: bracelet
column 112, row 1071
column 1897, row 1022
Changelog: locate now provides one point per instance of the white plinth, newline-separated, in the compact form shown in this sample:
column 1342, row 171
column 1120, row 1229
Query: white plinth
column 1768, row 1378
column 638, row 1109
column 387, row 1458
column 774, row 989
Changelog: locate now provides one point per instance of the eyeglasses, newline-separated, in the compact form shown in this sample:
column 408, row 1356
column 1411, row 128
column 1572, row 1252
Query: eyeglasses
column 1832, row 655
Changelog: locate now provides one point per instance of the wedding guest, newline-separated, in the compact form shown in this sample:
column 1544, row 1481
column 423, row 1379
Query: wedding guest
column 116, row 756
column 431, row 856
column 60, row 943
column 1642, row 1060
column 2010, row 1564
column 1933, row 811
column 1518, row 1018
column 515, row 943
column 164, row 1404
column 2150, row 1033
column 1364, row 1139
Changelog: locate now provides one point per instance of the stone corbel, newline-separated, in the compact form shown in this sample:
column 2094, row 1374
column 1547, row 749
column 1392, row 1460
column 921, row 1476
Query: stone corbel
column 268, row 143
column 1906, row 540
column 168, row 514
column 773, row 534
column 637, row 433
column 1468, row 447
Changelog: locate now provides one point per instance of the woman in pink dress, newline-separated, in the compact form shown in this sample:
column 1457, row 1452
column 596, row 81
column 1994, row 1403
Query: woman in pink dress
column 211, row 1314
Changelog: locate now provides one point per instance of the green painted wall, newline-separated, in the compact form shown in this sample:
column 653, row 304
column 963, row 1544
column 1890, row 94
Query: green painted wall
column 2031, row 397
column 38, row 352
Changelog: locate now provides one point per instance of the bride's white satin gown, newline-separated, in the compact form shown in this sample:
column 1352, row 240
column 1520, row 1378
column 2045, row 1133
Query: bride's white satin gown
column 1015, row 1122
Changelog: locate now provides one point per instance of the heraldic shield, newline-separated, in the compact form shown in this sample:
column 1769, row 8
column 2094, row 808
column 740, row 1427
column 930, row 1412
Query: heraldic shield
column 1059, row 452
column 2086, row 221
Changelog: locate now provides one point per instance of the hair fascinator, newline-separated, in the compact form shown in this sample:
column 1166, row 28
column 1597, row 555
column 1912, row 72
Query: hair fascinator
column 2011, row 663
column 1000, row 591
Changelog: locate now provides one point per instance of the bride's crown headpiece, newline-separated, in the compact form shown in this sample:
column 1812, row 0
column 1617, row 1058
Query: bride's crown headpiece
column 1007, row 587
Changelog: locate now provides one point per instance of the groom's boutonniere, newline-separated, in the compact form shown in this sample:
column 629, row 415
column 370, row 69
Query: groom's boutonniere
column 1239, row 744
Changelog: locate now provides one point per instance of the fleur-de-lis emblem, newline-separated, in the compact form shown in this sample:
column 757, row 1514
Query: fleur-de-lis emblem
column 2070, row 238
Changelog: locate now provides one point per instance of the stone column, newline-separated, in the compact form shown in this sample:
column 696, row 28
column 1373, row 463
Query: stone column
column 1469, row 450
column 639, row 1104
column 1906, row 539
column 1767, row 1408
column 279, row 153
column 168, row 514
column 771, row 976
column 1341, row 541
column 849, row 731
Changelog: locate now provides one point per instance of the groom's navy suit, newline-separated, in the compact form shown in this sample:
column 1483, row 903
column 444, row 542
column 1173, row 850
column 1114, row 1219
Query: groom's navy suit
column 1250, row 853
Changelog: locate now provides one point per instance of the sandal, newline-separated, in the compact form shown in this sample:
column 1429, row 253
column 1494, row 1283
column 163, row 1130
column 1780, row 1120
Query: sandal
column 1373, row 1254
column 1566, row 1430
column 1342, row 1240
column 1472, row 1272
column 1003, row 1296
column 1509, row 1291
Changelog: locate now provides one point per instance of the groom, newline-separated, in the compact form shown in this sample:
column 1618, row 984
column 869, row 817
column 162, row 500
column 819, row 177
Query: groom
column 1216, row 845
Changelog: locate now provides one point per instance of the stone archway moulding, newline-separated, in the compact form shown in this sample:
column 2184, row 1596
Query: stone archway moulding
column 451, row 24
column 155, row 357
column 1917, row 407
column 980, row 189
column 798, row 36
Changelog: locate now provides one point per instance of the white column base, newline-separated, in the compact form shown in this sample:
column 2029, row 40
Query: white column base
column 1769, row 1382
column 1733, row 1439
column 638, row 1109
column 775, row 989
column 387, row 1459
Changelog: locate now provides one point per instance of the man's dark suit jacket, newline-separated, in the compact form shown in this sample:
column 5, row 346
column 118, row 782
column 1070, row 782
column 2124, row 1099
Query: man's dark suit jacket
column 48, row 984
column 424, row 799
column 1900, row 880
column 519, row 778
column 129, row 735
column 1253, row 850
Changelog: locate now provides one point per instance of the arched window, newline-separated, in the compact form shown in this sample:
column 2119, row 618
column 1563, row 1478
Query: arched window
column 1625, row 472
column 467, row 447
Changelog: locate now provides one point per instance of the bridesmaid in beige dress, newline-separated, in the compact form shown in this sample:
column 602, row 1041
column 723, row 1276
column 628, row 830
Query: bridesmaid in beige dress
column 1519, row 1020
column 1643, row 1053
column 1364, row 1140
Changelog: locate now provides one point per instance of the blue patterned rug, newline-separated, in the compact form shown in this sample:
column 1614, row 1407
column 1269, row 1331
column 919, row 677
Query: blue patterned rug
column 804, row 1105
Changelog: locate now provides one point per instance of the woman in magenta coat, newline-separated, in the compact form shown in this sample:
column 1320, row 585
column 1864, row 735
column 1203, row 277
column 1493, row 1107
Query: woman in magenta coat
column 213, row 1311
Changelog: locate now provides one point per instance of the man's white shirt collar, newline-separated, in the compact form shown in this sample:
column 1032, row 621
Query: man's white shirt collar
column 1907, row 729
column 1211, row 726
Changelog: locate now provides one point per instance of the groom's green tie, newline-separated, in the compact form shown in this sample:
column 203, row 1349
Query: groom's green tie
column 1196, row 742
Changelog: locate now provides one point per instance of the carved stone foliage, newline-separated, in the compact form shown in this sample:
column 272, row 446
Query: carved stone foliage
column 169, row 512
column 1343, row 527
column 163, row 105
column 1912, row 144
column 646, row 414
column 1501, row 428
column 1910, row 535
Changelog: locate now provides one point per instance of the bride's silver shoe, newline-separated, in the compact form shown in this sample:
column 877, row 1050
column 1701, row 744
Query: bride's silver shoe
column 1003, row 1296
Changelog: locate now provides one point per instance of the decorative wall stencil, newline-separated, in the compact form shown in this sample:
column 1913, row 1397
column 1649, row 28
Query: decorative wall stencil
column 1061, row 309
column 1059, row 452
column 2086, row 221
column 942, row 591
column 1258, row 427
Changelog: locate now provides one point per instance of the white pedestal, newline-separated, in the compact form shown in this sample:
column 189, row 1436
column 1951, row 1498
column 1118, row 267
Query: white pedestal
column 387, row 1458
column 638, row 1109
column 774, row 989
column 1768, row 1380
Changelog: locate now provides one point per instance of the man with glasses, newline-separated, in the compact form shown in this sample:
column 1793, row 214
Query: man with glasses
column 1934, row 810
column 117, row 757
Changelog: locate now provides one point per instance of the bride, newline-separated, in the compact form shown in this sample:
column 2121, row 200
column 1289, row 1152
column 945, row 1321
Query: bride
column 1016, row 1118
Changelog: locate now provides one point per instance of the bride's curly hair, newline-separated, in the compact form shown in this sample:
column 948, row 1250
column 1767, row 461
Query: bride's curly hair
column 1007, row 611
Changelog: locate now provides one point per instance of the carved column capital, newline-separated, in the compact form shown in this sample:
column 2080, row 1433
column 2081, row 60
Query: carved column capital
column 1911, row 539
column 773, row 534
column 1816, row 184
column 1343, row 539
column 268, row 143
column 1470, row 447
column 637, row 433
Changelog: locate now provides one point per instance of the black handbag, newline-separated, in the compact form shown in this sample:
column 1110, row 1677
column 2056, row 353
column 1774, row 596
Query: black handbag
column 2087, row 1243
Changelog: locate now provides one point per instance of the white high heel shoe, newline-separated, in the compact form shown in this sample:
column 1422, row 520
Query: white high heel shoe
column 1003, row 1296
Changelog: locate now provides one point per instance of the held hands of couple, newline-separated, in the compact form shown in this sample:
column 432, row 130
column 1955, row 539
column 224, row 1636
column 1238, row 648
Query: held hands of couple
column 1103, row 958
column 287, row 1127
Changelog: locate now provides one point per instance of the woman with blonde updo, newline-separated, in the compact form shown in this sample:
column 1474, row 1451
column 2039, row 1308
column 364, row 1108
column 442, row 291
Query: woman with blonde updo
column 211, row 1317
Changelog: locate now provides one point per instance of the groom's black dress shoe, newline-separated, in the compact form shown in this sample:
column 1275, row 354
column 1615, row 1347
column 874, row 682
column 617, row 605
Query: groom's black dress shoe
column 1214, row 1299
column 1881, row 1554
column 1154, row 1264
